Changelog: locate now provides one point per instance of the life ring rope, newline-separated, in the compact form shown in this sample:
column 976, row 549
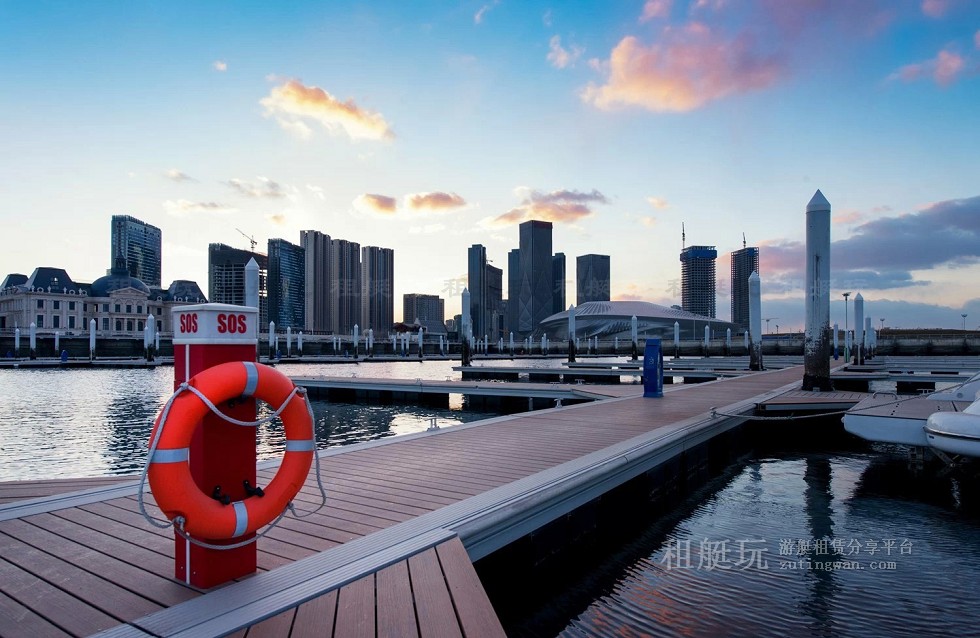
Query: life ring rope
column 178, row 522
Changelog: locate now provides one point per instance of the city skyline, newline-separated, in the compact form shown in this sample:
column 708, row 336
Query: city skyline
column 428, row 128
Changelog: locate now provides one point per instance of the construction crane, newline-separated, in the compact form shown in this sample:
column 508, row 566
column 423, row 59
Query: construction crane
column 250, row 239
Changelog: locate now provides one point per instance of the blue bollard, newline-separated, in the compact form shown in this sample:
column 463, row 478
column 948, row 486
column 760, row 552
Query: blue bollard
column 64, row 356
column 653, row 369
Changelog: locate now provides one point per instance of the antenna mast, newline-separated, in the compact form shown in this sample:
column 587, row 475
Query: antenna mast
column 743, row 241
column 683, row 237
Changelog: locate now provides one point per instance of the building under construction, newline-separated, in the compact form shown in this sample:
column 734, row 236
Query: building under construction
column 698, row 280
column 744, row 263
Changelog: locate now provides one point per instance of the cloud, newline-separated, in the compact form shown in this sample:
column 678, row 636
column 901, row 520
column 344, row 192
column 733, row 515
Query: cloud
column 560, row 57
column 648, row 221
column 655, row 9
column 561, row 206
column 291, row 103
column 183, row 207
column 178, row 176
column 846, row 217
column 279, row 219
column 547, row 18
column 371, row 202
column 944, row 69
column 885, row 252
column 482, row 12
column 219, row 65
column 976, row 39
column 264, row 189
column 434, row 201
column 935, row 8
column 317, row 191
column 658, row 202
column 682, row 72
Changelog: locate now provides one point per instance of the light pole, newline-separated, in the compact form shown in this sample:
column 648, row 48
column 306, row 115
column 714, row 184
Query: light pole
column 846, row 353
column 964, row 321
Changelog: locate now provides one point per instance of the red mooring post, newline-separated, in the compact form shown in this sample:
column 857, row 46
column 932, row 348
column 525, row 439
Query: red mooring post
column 222, row 454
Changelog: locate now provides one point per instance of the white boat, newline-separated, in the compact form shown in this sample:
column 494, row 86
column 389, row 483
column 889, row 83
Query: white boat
column 887, row 418
column 957, row 433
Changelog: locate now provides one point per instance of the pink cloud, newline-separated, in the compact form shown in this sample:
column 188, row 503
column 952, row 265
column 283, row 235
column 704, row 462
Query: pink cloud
column 291, row 103
column 434, row 201
column 683, row 73
column 376, row 203
column 944, row 69
column 560, row 57
column 846, row 217
column 935, row 8
column 655, row 9
column 561, row 206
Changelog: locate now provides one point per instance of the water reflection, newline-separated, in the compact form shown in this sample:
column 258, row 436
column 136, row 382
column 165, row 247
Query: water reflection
column 909, row 549
column 78, row 422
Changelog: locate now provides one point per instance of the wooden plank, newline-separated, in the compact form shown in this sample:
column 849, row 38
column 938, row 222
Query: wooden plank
column 102, row 594
column 275, row 627
column 476, row 614
column 57, row 606
column 355, row 609
column 396, row 609
column 314, row 618
column 17, row 620
column 434, row 605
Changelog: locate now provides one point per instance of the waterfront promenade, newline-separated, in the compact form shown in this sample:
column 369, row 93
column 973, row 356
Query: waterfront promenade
column 397, row 509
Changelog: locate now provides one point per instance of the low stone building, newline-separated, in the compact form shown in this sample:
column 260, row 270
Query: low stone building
column 119, row 303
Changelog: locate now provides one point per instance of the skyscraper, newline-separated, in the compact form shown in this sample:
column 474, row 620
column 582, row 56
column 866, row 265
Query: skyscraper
column 377, row 289
column 287, row 283
column 591, row 278
column 345, row 286
column 744, row 263
column 698, row 280
column 558, row 276
column 428, row 309
column 139, row 243
column 316, row 247
column 476, row 283
column 535, row 297
column 513, row 288
column 226, row 277
column 492, row 316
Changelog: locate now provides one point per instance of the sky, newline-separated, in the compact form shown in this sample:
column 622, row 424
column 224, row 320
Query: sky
column 427, row 127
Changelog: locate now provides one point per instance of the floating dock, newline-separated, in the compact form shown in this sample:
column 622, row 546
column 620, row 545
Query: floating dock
column 416, row 509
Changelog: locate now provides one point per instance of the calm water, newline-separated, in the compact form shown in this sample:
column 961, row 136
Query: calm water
column 822, row 544
column 77, row 422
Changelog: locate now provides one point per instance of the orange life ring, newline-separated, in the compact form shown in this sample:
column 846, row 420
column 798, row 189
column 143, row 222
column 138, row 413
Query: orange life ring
column 169, row 472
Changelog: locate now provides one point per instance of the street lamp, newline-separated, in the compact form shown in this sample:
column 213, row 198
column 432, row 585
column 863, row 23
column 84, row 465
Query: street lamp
column 846, row 353
column 964, row 321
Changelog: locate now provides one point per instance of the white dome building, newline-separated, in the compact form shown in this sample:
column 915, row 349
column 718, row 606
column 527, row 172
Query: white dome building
column 612, row 319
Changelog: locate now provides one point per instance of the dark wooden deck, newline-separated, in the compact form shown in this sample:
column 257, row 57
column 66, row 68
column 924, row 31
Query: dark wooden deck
column 77, row 569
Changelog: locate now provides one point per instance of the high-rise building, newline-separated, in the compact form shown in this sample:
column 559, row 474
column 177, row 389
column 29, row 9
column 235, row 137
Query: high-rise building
column 139, row 243
column 493, row 318
column 744, row 263
column 318, row 280
column 377, row 289
column 535, row 297
column 226, row 277
column 513, row 288
column 345, row 286
column 698, row 280
column 426, row 308
column 476, row 283
column 287, row 284
column 558, row 275
column 591, row 278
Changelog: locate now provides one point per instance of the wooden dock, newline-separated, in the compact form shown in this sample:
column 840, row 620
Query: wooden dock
column 415, row 509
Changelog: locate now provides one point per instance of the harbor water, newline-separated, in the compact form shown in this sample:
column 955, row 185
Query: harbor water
column 849, row 542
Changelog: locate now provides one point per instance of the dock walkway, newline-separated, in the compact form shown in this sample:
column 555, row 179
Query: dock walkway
column 83, row 563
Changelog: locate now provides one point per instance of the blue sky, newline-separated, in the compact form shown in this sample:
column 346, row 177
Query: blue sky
column 429, row 126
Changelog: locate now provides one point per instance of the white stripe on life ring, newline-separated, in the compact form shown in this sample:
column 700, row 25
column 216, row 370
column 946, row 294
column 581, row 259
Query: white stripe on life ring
column 177, row 455
column 241, row 518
